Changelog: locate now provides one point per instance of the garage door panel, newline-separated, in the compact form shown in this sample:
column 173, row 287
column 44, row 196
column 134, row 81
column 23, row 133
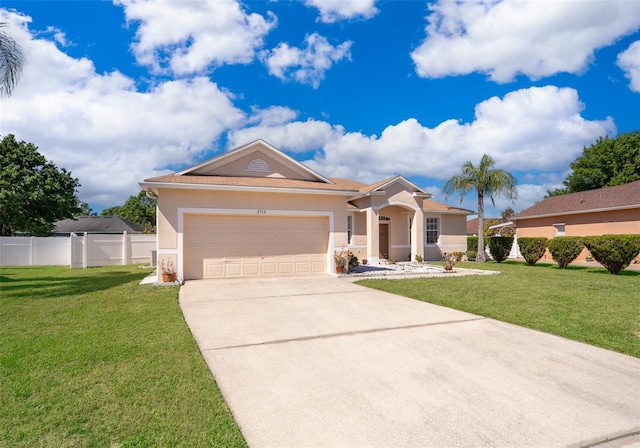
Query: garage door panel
column 219, row 246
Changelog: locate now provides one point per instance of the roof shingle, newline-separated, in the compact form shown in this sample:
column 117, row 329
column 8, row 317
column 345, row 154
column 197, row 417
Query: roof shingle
column 618, row 197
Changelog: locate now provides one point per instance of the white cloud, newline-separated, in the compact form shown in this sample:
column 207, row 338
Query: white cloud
column 511, row 37
column 535, row 129
column 308, row 65
column 629, row 62
column 100, row 127
column 190, row 36
column 295, row 136
column 335, row 10
column 271, row 116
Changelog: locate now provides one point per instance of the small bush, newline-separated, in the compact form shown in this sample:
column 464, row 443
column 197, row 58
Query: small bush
column 471, row 255
column 565, row 249
column 532, row 249
column 419, row 258
column 614, row 252
column 353, row 261
column 499, row 247
column 472, row 244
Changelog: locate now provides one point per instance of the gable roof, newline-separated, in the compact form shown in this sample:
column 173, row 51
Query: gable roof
column 255, row 146
column 602, row 199
column 97, row 224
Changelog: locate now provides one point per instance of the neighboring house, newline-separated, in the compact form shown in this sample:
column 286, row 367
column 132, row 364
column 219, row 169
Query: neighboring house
column 95, row 224
column 255, row 211
column 610, row 210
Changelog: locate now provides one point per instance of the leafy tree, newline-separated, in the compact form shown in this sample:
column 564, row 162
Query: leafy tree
column 85, row 210
column 608, row 162
column 11, row 60
column 34, row 193
column 140, row 209
column 486, row 181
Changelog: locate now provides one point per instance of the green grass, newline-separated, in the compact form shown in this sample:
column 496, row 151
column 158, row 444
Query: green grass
column 90, row 358
column 580, row 303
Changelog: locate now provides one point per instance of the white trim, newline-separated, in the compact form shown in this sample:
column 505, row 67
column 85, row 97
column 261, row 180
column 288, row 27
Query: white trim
column 357, row 246
column 289, row 190
column 400, row 246
column 182, row 211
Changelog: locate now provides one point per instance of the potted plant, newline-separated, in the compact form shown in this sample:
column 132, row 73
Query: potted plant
column 341, row 259
column 168, row 271
column 449, row 260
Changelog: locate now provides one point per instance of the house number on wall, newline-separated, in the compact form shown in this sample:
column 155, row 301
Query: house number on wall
column 261, row 212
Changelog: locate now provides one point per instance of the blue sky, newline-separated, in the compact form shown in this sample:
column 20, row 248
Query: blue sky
column 121, row 91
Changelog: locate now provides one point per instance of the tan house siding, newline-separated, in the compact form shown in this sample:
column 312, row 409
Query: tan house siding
column 610, row 210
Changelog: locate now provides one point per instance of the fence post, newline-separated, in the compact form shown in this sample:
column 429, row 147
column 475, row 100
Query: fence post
column 125, row 253
column 71, row 241
column 85, row 249
column 32, row 249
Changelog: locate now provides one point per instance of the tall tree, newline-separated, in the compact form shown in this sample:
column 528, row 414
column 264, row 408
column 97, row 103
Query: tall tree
column 11, row 60
column 140, row 209
column 486, row 181
column 606, row 163
column 34, row 193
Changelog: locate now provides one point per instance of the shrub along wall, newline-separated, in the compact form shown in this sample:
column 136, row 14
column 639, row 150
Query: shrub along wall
column 499, row 247
column 614, row 252
column 472, row 247
column 565, row 249
column 532, row 249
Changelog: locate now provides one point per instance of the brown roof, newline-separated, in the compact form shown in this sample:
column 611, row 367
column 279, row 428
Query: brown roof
column 432, row 206
column 272, row 182
column 608, row 198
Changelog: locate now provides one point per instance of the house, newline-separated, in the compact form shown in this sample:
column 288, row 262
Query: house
column 610, row 210
column 95, row 224
column 255, row 211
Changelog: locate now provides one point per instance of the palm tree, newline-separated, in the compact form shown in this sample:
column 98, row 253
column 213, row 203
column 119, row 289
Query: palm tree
column 487, row 181
column 11, row 60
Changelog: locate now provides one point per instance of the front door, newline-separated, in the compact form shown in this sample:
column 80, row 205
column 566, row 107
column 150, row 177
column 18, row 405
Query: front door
column 383, row 241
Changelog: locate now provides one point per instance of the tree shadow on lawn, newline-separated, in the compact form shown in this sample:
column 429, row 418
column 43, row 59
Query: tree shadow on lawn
column 64, row 286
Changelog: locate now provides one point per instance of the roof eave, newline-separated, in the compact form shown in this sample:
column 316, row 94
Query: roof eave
column 578, row 212
column 154, row 186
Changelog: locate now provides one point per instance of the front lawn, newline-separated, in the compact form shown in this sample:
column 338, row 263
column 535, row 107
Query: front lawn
column 580, row 303
column 90, row 358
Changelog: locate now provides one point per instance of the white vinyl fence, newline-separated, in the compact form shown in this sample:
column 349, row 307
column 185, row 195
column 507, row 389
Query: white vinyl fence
column 77, row 251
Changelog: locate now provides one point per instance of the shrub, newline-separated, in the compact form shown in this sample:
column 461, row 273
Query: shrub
column 532, row 249
column 614, row 252
column 419, row 258
column 353, row 261
column 472, row 248
column 472, row 244
column 565, row 249
column 499, row 247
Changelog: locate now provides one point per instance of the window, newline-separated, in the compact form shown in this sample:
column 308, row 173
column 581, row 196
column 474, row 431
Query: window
column 431, row 227
column 349, row 228
column 559, row 229
column 383, row 218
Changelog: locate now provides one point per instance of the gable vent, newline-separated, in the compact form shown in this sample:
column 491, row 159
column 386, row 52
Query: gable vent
column 258, row 166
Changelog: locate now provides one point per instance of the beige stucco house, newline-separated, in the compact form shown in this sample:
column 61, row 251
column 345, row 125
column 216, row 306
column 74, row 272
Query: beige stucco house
column 255, row 211
column 611, row 210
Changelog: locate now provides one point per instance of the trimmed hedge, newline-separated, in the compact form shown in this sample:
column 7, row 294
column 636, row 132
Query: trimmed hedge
column 614, row 252
column 472, row 248
column 565, row 249
column 532, row 249
column 499, row 247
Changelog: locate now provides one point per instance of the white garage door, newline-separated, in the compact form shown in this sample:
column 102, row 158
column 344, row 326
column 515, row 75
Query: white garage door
column 226, row 246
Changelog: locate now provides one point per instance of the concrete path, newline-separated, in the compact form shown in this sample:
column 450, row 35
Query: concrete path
column 322, row 362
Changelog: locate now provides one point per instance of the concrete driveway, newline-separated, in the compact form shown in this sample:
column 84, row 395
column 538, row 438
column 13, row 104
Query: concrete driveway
column 319, row 361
